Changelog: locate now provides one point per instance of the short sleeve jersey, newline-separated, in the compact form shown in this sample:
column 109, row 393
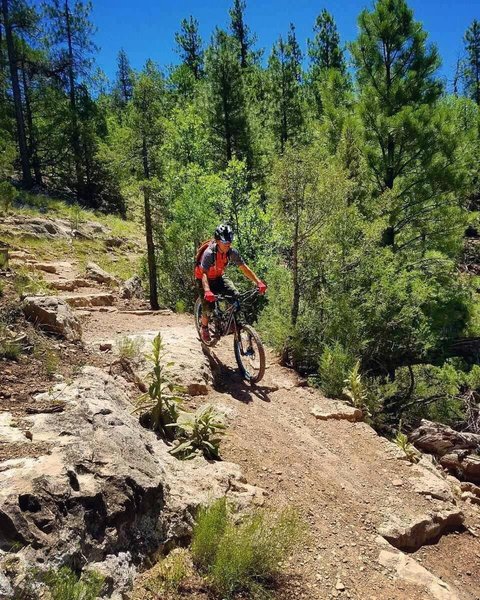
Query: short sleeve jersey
column 208, row 258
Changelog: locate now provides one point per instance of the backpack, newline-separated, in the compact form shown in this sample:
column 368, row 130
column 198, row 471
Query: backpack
column 197, row 271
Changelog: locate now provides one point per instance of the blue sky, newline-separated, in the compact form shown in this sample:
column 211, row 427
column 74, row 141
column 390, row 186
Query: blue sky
column 146, row 28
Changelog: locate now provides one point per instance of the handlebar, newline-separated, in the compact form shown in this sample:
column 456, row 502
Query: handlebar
column 242, row 297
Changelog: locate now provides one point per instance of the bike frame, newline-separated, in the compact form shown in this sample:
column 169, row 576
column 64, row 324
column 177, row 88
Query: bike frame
column 227, row 316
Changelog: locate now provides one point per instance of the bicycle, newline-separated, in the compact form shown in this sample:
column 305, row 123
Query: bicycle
column 247, row 346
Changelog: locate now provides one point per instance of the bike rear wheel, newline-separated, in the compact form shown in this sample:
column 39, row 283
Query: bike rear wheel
column 249, row 353
column 197, row 313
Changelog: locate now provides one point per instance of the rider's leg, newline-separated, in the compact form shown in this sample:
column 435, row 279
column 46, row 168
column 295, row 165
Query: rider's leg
column 231, row 294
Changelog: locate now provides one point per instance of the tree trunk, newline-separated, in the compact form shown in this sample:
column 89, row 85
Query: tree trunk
column 228, row 131
column 296, row 284
column 17, row 98
column 152, row 265
column 32, row 140
column 77, row 153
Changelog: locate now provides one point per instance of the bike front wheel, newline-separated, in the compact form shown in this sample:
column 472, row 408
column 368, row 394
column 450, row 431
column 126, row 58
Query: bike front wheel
column 249, row 353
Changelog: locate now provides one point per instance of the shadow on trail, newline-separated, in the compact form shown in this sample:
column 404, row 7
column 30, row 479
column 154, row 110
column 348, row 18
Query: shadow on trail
column 229, row 381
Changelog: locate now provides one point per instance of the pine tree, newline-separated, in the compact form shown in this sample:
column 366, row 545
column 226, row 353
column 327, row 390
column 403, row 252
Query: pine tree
column 70, row 39
column 472, row 63
column 241, row 31
column 324, row 50
column 16, row 92
column 190, row 46
column 285, row 73
column 146, row 139
column 227, row 111
column 124, row 80
column 327, row 72
column 408, row 147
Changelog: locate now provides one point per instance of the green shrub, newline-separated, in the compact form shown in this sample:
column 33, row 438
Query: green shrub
column 210, row 526
column 199, row 433
column 334, row 366
column 355, row 389
column 7, row 196
column 244, row 556
column 129, row 347
column 180, row 306
column 65, row 585
column 162, row 401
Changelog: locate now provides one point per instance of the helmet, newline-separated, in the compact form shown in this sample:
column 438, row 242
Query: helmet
column 224, row 233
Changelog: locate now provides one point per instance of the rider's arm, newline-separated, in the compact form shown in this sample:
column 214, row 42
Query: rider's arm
column 206, row 287
column 249, row 274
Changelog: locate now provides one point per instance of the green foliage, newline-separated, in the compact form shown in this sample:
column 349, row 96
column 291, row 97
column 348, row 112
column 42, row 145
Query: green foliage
column 401, row 440
column 355, row 389
column 162, row 401
column 285, row 74
column 244, row 556
column 199, row 433
column 65, row 585
column 334, row 365
column 210, row 526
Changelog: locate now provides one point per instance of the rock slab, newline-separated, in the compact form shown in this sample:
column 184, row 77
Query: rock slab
column 52, row 314
column 108, row 487
column 337, row 411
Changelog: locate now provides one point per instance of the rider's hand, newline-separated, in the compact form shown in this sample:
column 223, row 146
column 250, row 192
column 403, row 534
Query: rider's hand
column 210, row 296
column 262, row 288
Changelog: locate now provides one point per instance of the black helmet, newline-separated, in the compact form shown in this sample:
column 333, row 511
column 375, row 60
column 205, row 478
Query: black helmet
column 224, row 233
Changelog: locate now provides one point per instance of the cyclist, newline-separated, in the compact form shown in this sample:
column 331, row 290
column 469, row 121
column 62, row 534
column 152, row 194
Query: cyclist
column 212, row 259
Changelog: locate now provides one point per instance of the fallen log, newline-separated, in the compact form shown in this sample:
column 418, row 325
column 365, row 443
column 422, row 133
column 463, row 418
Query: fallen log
column 439, row 439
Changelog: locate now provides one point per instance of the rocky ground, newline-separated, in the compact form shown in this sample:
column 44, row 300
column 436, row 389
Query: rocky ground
column 81, row 480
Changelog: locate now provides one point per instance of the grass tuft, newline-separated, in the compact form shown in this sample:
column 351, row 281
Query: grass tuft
column 245, row 556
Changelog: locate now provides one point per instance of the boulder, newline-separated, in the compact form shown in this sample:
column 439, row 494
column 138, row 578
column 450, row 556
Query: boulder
column 82, row 300
column 463, row 465
column 93, row 271
column 108, row 489
column 337, row 411
column 410, row 571
column 428, row 481
column 52, row 314
column 132, row 288
column 412, row 534
column 190, row 366
column 47, row 267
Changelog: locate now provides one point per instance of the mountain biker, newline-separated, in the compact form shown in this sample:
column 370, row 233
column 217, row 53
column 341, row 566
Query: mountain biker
column 209, row 274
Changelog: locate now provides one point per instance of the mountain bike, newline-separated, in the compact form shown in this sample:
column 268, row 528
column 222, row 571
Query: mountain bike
column 247, row 346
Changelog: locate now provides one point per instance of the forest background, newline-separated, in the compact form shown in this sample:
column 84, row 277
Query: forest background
column 350, row 175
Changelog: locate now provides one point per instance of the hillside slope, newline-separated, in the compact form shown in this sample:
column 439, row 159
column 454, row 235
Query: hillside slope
column 379, row 526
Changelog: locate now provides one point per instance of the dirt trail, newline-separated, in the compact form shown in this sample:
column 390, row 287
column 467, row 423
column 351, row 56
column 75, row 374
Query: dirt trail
column 344, row 479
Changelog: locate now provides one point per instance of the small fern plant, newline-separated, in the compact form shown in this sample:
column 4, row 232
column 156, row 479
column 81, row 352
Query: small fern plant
column 355, row 389
column 199, row 433
column 163, row 399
